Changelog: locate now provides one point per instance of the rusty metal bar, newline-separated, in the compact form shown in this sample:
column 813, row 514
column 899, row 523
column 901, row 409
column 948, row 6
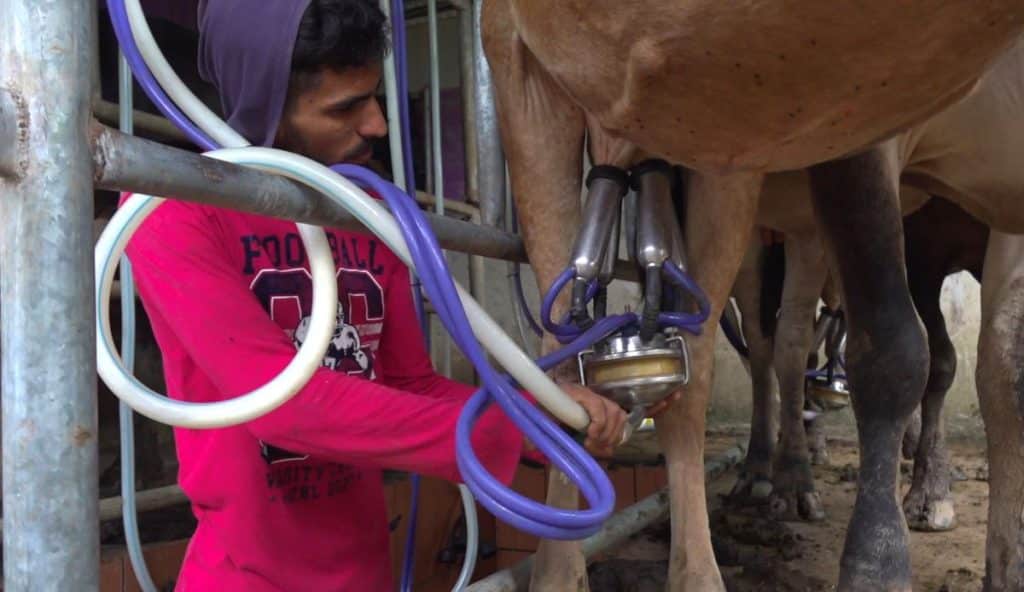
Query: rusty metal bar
column 134, row 164
column 145, row 123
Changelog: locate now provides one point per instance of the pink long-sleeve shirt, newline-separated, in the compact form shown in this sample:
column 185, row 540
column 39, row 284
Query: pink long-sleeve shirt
column 294, row 501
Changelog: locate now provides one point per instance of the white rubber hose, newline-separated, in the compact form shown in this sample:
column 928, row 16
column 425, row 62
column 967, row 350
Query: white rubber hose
column 246, row 407
column 188, row 102
column 376, row 217
column 380, row 222
column 472, row 539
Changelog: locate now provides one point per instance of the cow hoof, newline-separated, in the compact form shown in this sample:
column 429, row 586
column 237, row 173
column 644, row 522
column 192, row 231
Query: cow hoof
column 761, row 489
column 751, row 488
column 810, row 506
column 793, row 507
column 794, row 488
column 930, row 516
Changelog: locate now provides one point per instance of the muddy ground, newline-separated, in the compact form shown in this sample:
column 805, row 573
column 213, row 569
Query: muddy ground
column 757, row 554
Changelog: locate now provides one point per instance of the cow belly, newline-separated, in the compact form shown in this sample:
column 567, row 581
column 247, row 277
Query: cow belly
column 769, row 84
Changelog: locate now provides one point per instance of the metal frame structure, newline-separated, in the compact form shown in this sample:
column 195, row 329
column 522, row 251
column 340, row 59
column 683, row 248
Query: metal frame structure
column 53, row 153
column 50, row 484
column 123, row 162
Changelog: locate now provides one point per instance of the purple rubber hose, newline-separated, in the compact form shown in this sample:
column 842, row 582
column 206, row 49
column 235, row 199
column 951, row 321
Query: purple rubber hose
column 428, row 258
column 566, row 332
column 552, row 440
column 405, row 131
column 123, row 32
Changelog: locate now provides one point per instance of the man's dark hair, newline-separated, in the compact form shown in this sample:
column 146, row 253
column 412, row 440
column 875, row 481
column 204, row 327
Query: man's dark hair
column 337, row 35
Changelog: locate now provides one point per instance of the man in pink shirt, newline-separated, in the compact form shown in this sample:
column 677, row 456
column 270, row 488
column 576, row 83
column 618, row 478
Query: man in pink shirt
column 293, row 501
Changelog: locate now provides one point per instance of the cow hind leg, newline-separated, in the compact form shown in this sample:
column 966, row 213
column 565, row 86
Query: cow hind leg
column 828, row 327
column 754, row 481
column 795, row 496
column 928, row 505
column 1000, row 380
column 856, row 203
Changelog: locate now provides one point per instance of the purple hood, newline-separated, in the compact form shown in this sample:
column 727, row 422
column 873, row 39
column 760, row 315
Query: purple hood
column 245, row 51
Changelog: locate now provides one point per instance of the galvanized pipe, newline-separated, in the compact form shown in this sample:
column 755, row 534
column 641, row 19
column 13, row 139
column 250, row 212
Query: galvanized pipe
column 442, row 15
column 467, row 62
column 145, row 123
column 158, row 498
column 452, row 208
column 94, row 47
column 135, row 164
column 428, row 147
column 490, row 169
column 48, row 344
column 437, row 156
column 145, row 501
column 391, row 100
column 11, row 145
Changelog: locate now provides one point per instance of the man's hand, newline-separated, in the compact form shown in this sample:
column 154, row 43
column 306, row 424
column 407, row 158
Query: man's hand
column 607, row 419
column 659, row 407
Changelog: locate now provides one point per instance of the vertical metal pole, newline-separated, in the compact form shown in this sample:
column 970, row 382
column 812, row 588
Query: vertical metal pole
column 435, row 109
column 467, row 53
column 391, row 101
column 428, row 151
column 51, row 516
column 94, row 46
column 436, row 156
column 490, row 158
column 468, row 66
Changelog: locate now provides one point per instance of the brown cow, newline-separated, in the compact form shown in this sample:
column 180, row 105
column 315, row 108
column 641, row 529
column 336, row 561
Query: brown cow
column 734, row 90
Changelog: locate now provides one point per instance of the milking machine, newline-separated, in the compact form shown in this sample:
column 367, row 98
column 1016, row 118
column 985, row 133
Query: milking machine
column 827, row 388
column 645, row 359
column 634, row 359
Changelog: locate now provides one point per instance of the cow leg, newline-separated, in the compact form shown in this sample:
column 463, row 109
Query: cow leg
column 794, row 492
column 816, row 437
column 542, row 132
column 912, row 435
column 928, row 506
column 856, row 203
column 817, row 442
column 754, row 480
column 1000, row 380
column 719, row 220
